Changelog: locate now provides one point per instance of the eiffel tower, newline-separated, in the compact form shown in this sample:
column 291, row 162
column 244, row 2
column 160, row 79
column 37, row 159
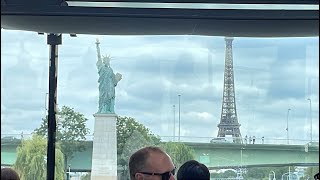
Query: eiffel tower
column 229, row 124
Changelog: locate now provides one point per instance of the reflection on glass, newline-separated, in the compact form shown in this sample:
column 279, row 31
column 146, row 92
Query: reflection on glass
column 270, row 76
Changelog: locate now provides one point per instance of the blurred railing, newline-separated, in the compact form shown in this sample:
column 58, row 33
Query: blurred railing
column 265, row 140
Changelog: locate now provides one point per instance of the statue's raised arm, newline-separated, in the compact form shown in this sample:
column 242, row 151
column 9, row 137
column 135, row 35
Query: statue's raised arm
column 99, row 61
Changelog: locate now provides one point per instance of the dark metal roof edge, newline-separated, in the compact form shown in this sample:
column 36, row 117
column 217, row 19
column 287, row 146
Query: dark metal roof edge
column 297, row 2
column 223, row 14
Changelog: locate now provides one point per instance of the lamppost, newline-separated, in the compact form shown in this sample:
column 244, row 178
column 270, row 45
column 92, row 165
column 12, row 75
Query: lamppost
column 310, row 115
column 289, row 175
column 68, row 173
column 274, row 175
column 179, row 115
column 174, row 123
column 285, row 175
column 241, row 157
column 288, row 125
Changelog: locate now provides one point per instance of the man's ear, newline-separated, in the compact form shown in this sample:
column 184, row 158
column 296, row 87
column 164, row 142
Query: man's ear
column 138, row 176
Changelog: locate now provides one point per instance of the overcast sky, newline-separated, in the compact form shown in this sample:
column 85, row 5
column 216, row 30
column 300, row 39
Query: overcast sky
column 271, row 75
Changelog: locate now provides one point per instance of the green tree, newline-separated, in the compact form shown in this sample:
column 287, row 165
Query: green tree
column 229, row 174
column 71, row 132
column 215, row 175
column 264, row 172
column 257, row 173
column 179, row 152
column 87, row 176
column 311, row 171
column 131, row 136
column 31, row 159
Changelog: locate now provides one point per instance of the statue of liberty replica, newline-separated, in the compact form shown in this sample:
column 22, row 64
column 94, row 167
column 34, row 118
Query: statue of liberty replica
column 107, row 83
column 104, row 152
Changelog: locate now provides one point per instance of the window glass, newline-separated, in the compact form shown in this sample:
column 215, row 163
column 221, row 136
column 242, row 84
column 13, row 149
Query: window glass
column 173, row 86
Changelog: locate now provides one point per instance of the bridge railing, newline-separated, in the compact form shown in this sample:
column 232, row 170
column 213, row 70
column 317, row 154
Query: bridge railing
column 226, row 178
column 12, row 137
column 265, row 140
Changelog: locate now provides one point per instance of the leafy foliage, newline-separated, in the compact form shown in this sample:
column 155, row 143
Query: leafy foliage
column 179, row 152
column 31, row 159
column 71, row 131
column 264, row 172
column 87, row 176
column 229, row 174
column 311, row 171
column 131, row 136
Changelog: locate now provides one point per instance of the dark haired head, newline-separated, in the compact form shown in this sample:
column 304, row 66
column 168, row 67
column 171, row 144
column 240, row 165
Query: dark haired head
column 193, row 170
column 9, row 174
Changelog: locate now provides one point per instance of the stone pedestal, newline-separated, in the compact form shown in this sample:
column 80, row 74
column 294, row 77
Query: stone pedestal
column 104, row 153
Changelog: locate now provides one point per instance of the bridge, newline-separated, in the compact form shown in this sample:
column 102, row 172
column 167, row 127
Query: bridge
column 230, row 155
column 213, row 155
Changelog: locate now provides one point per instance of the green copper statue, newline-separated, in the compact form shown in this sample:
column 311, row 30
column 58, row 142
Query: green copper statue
column 107, row 83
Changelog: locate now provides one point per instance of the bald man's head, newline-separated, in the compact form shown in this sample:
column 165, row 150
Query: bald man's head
column 150, row 160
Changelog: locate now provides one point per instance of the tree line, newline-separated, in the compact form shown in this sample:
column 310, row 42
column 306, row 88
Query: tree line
column 131, row 136
column 71, row 138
